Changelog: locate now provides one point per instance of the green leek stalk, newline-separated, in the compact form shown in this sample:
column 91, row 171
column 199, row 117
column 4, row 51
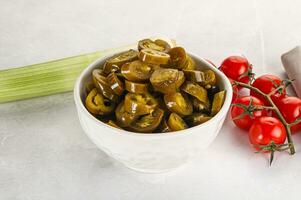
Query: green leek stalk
column 46, row 78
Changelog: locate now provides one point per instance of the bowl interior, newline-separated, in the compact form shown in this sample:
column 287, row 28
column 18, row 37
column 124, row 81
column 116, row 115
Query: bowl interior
column 201, row 63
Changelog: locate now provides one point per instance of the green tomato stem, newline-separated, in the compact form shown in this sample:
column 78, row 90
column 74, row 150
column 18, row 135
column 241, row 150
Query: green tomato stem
column 297, row 121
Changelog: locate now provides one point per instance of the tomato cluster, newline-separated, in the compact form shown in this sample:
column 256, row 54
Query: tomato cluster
column 253, row 112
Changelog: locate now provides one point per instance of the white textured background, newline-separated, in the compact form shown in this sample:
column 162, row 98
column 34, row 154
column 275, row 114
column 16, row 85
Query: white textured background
column 44, row 154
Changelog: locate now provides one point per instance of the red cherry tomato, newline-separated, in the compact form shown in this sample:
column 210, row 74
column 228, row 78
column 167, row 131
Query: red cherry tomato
column 290, row 107
column 237, row 68
column 246, row 121
column 265, row 130
column 268, row 83
column 235, row 91
column 245, row 79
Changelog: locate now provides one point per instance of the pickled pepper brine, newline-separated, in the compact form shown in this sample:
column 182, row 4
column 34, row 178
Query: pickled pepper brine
column 154, row 89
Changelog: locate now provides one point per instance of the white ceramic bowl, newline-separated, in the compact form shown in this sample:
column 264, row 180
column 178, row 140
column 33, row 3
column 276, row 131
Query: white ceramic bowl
column 151, row 153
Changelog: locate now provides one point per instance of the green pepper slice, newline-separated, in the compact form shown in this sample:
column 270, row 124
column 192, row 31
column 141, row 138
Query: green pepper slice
column 102, row 86
column 189, row 63
column 158, row 45
column 218, row 102
column 195, row 90
column 115, row 83
column 167, row 80
column 138, row 88
column 147, row 123
column 164, row 128
column 116, row 61
column 88, row 87
column 154, row 57
column 163, row 44
column 123, row 118
column 176, row 123
column 178, row 103
column 97, row 104
column 209, row 78
column 139, row 104
column 194, row 75
column 177, row 57
column 136, row 71
column 197, row 119
column 161, row 104
column 201, row 106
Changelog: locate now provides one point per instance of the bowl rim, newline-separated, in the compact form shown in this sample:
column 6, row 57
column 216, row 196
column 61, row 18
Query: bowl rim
column 113, row 130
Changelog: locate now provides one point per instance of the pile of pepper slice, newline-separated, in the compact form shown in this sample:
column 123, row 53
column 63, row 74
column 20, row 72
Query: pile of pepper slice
column 153, row 90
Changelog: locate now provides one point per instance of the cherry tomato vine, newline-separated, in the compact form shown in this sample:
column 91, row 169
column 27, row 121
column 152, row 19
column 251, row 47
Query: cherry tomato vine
column 272, row 147
column 267, row 113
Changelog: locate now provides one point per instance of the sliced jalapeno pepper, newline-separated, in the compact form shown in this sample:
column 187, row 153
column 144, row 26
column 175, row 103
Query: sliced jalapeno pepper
column 189, row 63
column 210, row 78
column 161, row 104
column 153, row 57
column 176, row 123
column 97, row 104
column 115, row 62
column 167, row 80
column 88, row 87
column 158, row 45
column 178, row 103
column 147, row 123
column 218, row 102
column 154, row 67
column 123, row 118
column 177, row 57
column 194, row 75
column 197, row 119
column 200, row 106
column 163, row 43
column 136, row 71
column 139, row 104
column 164, row 128
column 102, row 86
column 138, row 88
column 195, row 90
column 115, row 83
column 112, row 123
